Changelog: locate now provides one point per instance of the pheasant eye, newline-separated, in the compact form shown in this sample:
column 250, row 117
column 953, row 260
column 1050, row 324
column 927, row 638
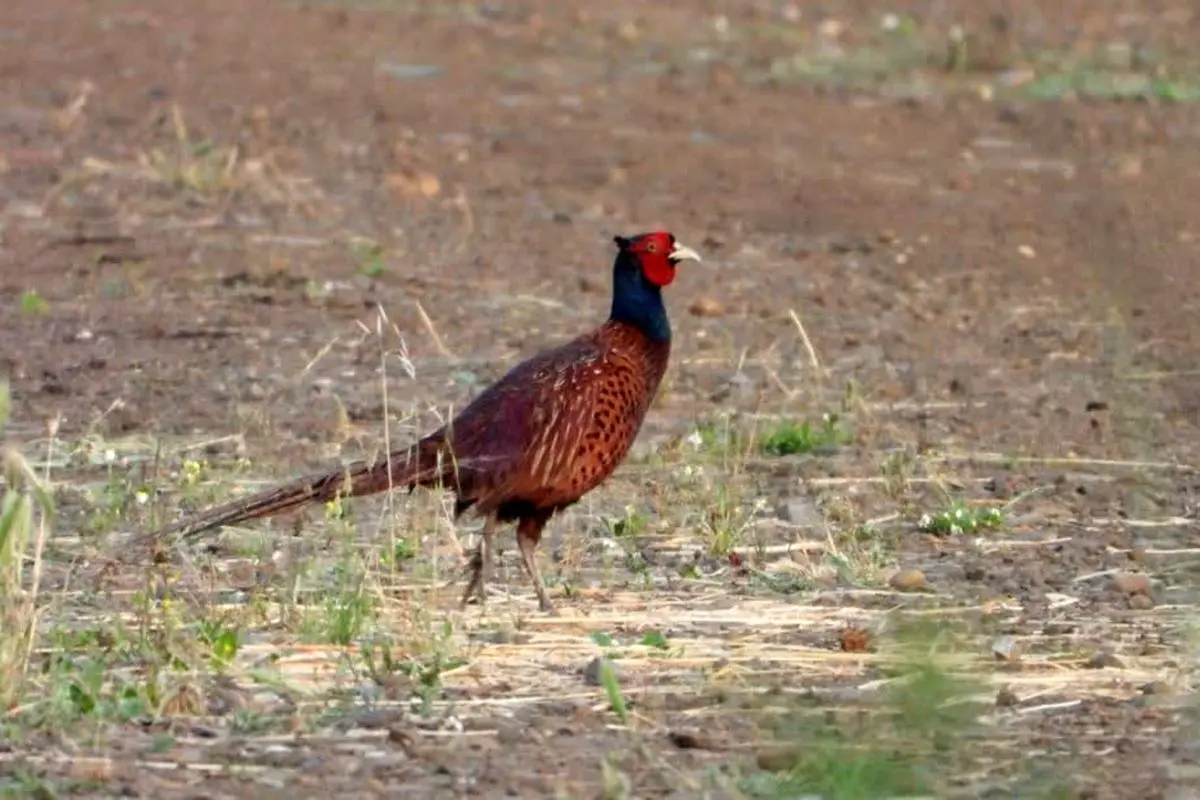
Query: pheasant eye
column 652, row 248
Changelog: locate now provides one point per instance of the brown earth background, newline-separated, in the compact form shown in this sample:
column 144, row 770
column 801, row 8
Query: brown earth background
column 242, row 241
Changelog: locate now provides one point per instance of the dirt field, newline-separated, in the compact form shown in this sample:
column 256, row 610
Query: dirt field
column 242, row 241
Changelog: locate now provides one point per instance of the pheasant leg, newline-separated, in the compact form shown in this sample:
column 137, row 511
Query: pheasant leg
column 481, row 563
column 529, row 533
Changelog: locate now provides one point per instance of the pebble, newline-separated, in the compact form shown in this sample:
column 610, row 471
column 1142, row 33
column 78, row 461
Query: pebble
column 591, row 673
column 854, row 640
column 998, row 485
column 1141, row 602
column 704, row 306
column 1005, row 648
column 908, row 580
column 1131, row 582
column 1103, row 660
column 779, row 759
column 800, row 511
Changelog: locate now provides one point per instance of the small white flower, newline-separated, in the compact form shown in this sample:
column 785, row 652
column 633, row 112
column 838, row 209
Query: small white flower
column 694, row 439
column 110, row 456
column 141, row 497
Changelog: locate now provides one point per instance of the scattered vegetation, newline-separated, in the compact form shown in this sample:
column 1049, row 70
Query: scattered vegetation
column 792, row 438
column 372, row 259
column 921, row 736
column 32, row 303
column 25, row 512
column 960, row 518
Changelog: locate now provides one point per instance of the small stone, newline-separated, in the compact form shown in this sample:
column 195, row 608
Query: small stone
column 501, row 636
column 1005, row 648
column 854, row 640
column 1161, row 688
column 908, row 580
column 1006, row 698
column 1141, row 602
column 998, row 486
column 1131, row 582
column 779, row 759
column 740, row 386
column 414, row 183
column 704, row 306
column 1104, row 660
column 379, row 718
column 800, row 511
column 591, row 673
column 92, row 770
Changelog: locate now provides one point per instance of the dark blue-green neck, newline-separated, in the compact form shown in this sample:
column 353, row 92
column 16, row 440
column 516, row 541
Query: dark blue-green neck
column 638, row 302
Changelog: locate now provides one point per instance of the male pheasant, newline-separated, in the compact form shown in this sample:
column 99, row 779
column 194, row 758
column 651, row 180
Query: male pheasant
column 533, row 443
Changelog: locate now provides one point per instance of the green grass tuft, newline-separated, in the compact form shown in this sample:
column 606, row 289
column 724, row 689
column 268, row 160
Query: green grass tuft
column 794, row 438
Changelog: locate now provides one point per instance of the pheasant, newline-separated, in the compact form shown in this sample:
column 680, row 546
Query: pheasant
column 552, row 429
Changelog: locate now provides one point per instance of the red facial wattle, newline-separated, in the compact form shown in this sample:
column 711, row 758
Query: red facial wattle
column 658, row 269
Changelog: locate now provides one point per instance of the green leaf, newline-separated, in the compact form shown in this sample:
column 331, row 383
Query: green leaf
column 603, row 639
column 225, row 647
column 82, row 700
column 612, row 687
column 655, row 639
column 33, row 303
column 9, row 511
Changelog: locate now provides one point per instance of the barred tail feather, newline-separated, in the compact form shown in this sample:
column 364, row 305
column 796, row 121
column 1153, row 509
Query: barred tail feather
column 416, row 466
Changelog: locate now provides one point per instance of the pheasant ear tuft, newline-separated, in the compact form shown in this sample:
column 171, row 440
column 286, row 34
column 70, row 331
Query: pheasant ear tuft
column 622, row 242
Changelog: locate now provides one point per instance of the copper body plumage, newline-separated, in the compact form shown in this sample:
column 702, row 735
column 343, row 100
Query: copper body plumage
column 533, row 443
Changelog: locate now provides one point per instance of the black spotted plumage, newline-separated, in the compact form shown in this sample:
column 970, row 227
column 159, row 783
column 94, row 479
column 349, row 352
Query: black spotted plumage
column 533, row 443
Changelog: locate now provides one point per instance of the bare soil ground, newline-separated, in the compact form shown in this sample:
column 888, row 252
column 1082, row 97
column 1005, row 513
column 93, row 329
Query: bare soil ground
column 243, row 241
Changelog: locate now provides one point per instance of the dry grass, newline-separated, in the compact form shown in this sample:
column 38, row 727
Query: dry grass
column 190, row 177
column 24, row 510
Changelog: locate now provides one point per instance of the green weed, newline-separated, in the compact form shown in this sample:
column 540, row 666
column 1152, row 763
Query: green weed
column 32, row 303
column 792, row 438
column 960, row 518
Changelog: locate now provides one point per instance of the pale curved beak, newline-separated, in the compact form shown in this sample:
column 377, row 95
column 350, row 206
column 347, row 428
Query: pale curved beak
column 683, row 253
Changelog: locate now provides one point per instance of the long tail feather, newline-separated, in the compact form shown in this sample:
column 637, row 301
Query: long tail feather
column 419, row 465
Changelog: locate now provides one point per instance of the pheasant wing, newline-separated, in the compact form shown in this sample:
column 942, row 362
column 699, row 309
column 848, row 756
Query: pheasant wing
column 519, row 440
